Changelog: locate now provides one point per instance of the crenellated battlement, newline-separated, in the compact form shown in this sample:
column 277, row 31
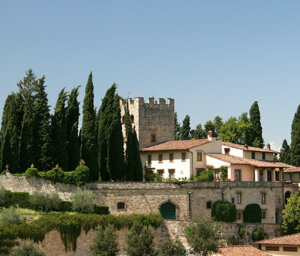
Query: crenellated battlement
column 151, row 101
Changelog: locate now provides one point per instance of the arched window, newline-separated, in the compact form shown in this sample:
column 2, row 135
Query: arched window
column 208, row 204
column 287, row 196
column 168, row 211
column 132, row 119
column 121, row 206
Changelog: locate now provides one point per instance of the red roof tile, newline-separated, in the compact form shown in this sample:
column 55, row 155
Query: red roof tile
column 176, row 145
column 249, row 148
column 282, row 240
column 245, row 250
column 240, row 160
column 293, row 169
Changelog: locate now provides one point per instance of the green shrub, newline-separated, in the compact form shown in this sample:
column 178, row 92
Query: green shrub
column 83, row 201
column 258, row 234
column 206, row 175
column 53, row 202
column 10, row 216
column 32, row 172
column 20, row 199
column 252, row 213
column 105, row 241
column 45, row 202
column 27, row 249
column 8, row 236
column 172, row 248
column 153, row 177
column 242, row 232
column 81, row 175
column 223, row 211
column 2, row 196
column 101, row 209
column 66, row 206
column 224, row 172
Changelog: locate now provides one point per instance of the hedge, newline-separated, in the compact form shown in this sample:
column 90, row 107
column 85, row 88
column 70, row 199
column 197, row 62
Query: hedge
column 22, row 199
column 79, row 177
column 69, row 226
column 223, row 211
column 258, row 234
column 252, row 213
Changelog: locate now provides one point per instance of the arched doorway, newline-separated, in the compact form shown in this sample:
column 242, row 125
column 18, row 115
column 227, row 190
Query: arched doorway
column 287, row 196
column 168, row 211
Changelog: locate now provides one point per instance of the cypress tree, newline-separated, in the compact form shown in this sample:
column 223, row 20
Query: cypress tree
column 9, row 132
column 295, row 139
column 186, row 128
column 88, row 150
column 42, row 139
column 59, row 132
column 199, row 133
column 133, row 164
column 72, row 117
column 110, row 138
column 27, row 152
column 256, row 128
column 285, row 152
column 177, row 128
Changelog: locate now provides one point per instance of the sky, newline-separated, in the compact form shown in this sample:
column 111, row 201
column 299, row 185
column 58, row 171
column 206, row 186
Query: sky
column 212, row 57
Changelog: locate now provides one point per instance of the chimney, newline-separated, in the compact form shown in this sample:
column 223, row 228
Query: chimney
column 268, row 146
column 246, row 146
column 210, row 135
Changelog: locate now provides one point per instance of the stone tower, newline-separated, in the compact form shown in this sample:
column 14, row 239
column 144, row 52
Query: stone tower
column 153, row 120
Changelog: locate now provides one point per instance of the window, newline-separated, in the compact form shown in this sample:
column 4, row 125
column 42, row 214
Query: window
column 239, row 215
column 232, row 200
column 263, row 214
column 217, row 175
column 153, row 138
column 132, row 119
column 289, row 249
column 237, row 174
column 227, row 151
column 121, row 206
column 261, row 176
column 171, row 157
column 208, row 204
column 149, row 159
column 272, row 248
column 239, row 198
column 171, row 173
column 160, row 158
column 199, row 156
column 160, row 172
column 269, row 175
column 183, row 156
column 264, row 156
column 277, row 176
column 263, row 198
column 253, row 155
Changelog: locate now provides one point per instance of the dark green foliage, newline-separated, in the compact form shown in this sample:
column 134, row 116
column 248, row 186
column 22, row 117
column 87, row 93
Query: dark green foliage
column 242, row 232
column 295, row 140
column 45, row 202
column 186, row 129
column 10, row 134
column 69, row 226
column 172, row 248
column 41, row 121
column 110, row 139
column 258, row 234
column 204, row 236
column 59, row 132
column 252, row 213
column 88, row 149
column 291, row 215
column 133, row 163
column 199, row 133
column 66, row 206
column 139, row 241
column 27, row 249
column 32, row 172
column 223, row 211
column 72, row 117
column 224, row 172
column 83, row 201
column 105, row 242
column 177, row 128
column 256, row 128
column 285, row 153
column 218, row 123
column 101, row 209
column 153, row 177
column 210, row 126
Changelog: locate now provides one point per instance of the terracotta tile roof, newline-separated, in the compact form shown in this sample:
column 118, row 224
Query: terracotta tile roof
column 249, row 148
column 293, row 169
column 176, row 145
column 246, row 250
column 282, row 240
column 240, row 160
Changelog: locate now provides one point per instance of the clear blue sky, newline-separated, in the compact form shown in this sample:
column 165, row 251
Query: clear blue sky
column 213, row 57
